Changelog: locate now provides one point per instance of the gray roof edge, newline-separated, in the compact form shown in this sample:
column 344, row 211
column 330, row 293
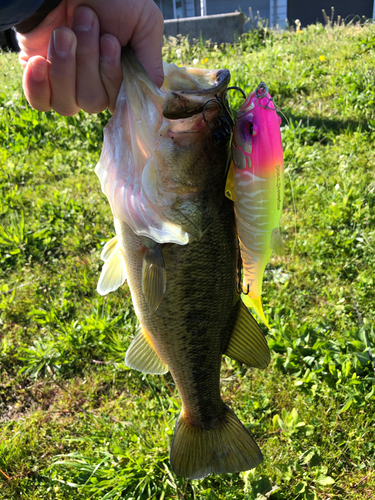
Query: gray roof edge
column 202, row 18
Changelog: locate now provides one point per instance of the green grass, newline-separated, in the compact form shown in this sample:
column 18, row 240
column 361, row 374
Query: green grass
column 75, row 422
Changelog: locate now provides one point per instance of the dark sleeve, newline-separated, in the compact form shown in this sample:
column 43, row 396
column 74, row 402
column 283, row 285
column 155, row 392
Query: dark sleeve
column 24, row 14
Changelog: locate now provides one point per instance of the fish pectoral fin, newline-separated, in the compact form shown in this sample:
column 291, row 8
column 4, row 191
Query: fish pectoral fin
column 277, row 244
column 247, row 343
column 113, row 273
column 226, row 447
column 154, row 277
column 142, row 356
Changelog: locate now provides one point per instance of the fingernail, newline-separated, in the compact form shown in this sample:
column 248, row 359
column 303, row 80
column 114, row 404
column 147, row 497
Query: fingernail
column 38, row 72
column 108, row 48
column 83, row 19
column 62, row 42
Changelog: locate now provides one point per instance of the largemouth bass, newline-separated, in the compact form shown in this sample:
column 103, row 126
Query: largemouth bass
column 256, row 185
column 163, row 168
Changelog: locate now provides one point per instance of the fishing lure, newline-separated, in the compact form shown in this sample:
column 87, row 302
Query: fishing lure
column 255, row 184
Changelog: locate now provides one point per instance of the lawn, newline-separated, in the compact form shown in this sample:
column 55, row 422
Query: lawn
column 75, row 422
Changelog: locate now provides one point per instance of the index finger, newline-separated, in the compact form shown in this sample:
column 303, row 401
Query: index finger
column 146, row 42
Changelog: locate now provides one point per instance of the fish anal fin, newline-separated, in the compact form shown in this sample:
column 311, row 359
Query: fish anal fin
column 154, row 277
column 141, row 355
column 247, row 343
column 113, row 273
column 226, row 447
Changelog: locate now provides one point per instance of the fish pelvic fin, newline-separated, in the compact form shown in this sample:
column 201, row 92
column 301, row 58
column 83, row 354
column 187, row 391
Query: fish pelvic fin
column 154, row 277
column 247, row 343
column 256, row 304
column 226, row 447
column 113, row 273
column 141, row 355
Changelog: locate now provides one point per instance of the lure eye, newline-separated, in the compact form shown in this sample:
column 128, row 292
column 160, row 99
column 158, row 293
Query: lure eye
column 252, row 130
column 220, row 137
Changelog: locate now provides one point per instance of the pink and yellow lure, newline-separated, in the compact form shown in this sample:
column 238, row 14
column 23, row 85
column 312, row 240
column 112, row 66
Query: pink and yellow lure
column 255, row 183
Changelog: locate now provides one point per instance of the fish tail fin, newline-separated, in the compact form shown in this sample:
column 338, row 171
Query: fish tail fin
column 256, row 304
column 226, row 447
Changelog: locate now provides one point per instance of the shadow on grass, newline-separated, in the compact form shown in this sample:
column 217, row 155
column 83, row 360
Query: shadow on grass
column 332, row 125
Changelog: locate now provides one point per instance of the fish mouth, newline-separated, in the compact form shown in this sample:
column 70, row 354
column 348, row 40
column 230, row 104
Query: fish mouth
column 186, row 103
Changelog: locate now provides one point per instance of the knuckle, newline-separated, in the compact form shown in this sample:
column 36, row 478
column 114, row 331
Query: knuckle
column 93, row 105
column 62, row 71
column 87, row 47
column 65, row 110
column 39, row 105
column 111, row 79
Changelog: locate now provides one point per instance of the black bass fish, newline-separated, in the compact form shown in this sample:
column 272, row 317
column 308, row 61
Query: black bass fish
column 163, row 168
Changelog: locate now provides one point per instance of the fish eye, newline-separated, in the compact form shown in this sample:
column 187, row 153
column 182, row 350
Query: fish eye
column 220, row 137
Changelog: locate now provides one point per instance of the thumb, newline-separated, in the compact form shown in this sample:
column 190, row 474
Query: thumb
column 146, row 43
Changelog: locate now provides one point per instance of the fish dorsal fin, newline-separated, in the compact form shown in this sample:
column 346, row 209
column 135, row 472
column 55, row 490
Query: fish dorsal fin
column 277, row 244
column 247, row 343
column 113, row 274
column 142, row 356
column 154, row 277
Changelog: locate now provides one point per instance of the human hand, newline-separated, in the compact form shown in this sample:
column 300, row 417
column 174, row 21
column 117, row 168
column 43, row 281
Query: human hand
column 71, row 65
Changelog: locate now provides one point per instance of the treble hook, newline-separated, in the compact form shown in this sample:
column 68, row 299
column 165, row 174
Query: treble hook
column 261, row 90
column 234, row 87
column 240, row 290
column 222, row 103
column 218, row 101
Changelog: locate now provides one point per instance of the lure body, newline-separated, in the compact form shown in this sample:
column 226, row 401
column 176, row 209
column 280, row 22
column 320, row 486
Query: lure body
column 256, row 185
